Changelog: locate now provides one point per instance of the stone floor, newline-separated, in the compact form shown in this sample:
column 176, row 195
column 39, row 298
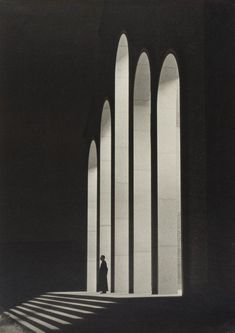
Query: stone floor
column 82, row 312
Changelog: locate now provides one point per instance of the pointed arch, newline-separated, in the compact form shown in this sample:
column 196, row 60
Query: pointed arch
column 142, row 177
column 122, row 166
column 105, row 187
column 169, row 178
column 92, row 219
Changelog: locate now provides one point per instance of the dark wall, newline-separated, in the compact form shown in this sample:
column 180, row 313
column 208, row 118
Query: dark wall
column 29, row 269
column 220, row 145
column 47, row 65
column 46, row 94
column 57, row 65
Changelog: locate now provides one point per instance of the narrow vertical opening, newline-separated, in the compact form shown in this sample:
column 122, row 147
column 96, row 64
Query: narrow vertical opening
column 92, row 219
column 142, row 177
column 169, row 188
column 121, row 167
column 105, row 187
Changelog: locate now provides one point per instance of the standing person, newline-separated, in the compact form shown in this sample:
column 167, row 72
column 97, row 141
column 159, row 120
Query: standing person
column 102, row 278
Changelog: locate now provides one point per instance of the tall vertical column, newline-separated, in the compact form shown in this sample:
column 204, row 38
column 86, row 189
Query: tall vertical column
column 142, row 178
column 121, row 167
column 105, row 188
column 169, row 191
column 92, row 220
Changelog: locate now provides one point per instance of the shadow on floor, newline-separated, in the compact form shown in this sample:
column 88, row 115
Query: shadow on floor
column 72, row 313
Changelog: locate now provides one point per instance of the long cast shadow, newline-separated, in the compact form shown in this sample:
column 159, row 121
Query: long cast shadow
column 79, row 312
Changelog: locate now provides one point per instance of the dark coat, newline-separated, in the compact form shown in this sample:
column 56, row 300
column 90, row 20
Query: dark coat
column 102, row 278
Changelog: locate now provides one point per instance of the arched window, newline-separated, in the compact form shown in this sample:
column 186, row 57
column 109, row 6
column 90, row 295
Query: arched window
column 92, row 219
column 121, row 167
column 142, row 177
column 169, row 189
column 105, row 187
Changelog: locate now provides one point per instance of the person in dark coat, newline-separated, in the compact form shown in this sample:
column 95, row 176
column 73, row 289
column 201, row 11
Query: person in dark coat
column 102, row 278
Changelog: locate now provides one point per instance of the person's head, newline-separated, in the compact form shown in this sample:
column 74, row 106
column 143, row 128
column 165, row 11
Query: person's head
column 102, row 257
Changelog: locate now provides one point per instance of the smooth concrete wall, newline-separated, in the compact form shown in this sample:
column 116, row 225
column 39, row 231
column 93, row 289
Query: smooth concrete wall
column 92, row 220
column 105, row 187
column 121, row 167
column 220, row 118
column 169, row 211
column 142, row 177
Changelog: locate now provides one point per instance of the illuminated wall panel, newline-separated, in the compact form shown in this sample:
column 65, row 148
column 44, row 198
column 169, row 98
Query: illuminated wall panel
column 169, row 191
column 92, row 219
column 105, row 187
column 142, row 177
column 121, row 167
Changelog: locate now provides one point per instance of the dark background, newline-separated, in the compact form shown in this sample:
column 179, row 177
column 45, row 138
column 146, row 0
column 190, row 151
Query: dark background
column 57, row 64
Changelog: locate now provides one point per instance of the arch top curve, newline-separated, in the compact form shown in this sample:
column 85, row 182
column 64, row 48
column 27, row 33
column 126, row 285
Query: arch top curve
column 169, row 65
column 170, row 59
column 142, row 91
column 122, row 53
column 106, row 105
column 92, row 159
column 143, row 68
column 123, row 40
column 143, row 59
column 105, row 126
